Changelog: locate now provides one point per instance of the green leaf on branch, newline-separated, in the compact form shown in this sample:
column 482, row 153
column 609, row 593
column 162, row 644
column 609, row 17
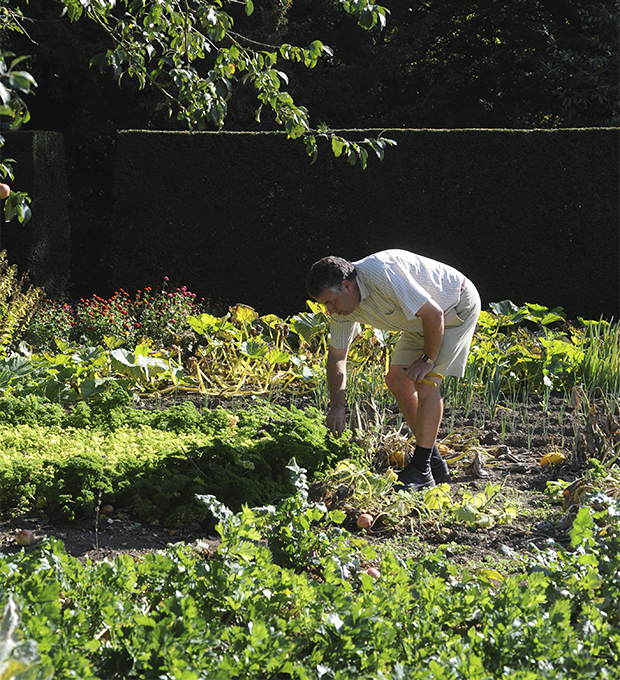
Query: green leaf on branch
column 5, row 96
column 368, row 14
column 363, row 155
column 367, row 18
column 16, row 205
column 316, row 48
column 22, row 81
column 311, row 148
column 338, row 146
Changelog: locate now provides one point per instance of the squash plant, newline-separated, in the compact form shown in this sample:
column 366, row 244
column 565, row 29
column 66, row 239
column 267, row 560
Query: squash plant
column 515, row 351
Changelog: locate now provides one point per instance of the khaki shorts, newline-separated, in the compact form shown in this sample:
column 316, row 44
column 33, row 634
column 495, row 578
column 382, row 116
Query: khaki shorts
column 459, row 327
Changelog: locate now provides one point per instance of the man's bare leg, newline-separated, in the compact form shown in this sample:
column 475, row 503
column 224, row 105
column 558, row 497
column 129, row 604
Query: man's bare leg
column 421, row 405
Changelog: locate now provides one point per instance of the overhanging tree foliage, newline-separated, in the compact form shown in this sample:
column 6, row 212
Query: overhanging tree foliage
column 190, row 51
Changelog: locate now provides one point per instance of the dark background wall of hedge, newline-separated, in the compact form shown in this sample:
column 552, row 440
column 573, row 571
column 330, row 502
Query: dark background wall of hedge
column 530, row 216
column 41, row 247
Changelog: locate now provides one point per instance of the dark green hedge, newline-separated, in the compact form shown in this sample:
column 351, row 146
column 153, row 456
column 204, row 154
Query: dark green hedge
column 42, row 247
column 530, row 216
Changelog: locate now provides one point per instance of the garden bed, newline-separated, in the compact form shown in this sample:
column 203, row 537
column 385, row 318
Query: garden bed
column 516, row 440
column 509, row 571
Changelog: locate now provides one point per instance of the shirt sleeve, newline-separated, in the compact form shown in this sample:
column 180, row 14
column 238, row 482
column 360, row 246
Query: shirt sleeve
column 408, row 293
column 342, row 333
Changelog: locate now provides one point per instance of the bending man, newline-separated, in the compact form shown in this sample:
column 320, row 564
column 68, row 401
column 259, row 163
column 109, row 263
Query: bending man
column 436, row 309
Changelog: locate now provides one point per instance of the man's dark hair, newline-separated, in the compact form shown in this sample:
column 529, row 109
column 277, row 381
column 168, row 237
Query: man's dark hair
column 328, row 274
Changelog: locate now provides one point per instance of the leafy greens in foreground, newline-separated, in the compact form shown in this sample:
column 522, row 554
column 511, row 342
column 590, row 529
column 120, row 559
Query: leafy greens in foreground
column 245, row 612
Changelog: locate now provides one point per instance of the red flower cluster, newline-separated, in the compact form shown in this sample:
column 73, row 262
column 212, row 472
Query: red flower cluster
column 158, row 314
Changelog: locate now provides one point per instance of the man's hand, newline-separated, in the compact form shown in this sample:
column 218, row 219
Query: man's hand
column 418, row 370
column 336, row 420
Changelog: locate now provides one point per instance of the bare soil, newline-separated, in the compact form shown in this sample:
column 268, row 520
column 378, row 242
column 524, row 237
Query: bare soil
column 516, row 440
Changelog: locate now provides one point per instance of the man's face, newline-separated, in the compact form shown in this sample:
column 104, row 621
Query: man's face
column 341, row 303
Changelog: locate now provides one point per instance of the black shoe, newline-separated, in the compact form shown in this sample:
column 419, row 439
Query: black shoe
column 412, row 479
column 439, row 468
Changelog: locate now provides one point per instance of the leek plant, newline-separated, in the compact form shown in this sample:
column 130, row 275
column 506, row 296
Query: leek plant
column 601, row 357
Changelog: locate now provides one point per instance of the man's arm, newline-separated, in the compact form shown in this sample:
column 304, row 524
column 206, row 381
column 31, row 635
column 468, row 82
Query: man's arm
column 433, row 327
column 337, row 382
